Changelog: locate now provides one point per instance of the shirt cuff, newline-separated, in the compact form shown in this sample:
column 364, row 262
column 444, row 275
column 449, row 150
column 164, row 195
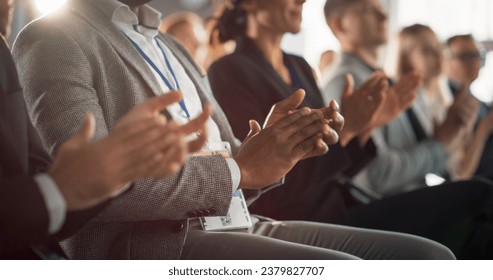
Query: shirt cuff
column 235, row 173
column 54, row 202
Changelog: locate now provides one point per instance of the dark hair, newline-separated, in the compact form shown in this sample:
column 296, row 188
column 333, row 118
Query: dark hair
column 336, row 6
column 451, row 40
column 232, row 23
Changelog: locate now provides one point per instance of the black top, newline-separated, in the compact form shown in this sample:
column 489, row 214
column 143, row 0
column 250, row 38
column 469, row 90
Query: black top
column 246, row 86
column 23, row 216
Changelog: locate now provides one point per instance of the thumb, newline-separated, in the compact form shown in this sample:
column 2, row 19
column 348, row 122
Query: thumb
column 291, row 103
column 254, row 129
column 349, row 85
column 85, row 133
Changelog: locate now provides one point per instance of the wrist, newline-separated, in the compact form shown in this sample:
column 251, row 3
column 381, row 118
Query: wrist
column 245, row 181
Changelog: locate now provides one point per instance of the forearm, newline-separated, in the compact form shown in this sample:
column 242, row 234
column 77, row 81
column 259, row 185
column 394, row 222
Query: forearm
column 203, row 183
column 394, row 169
column 472, row 155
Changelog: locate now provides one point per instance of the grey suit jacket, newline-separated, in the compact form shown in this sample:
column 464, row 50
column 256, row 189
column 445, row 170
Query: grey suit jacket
column 401, row 162
column 77, row 61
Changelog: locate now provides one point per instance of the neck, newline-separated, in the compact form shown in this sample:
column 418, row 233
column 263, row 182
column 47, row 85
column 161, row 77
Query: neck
column 431, row 84
column 366, row 53
column 269, row 42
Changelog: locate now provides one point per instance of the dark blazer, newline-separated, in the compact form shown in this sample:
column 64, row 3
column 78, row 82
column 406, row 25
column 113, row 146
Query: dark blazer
column 246, row 86
column 24, row 218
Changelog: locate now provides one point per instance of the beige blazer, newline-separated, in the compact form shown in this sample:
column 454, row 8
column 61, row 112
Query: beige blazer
column 77, row 61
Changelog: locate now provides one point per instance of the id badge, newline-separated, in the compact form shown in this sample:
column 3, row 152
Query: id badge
column 238, row 216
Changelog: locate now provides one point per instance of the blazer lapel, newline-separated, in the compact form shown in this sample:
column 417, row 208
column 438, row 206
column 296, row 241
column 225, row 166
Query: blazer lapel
column 201, row 84
column 96, row 18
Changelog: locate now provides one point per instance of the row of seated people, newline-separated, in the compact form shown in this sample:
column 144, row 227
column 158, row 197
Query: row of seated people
column 108, row 57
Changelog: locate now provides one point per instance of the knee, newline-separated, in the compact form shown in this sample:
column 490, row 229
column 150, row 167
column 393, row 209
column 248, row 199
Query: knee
column 431, row 250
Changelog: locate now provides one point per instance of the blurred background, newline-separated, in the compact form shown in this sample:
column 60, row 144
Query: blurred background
column 446, row 17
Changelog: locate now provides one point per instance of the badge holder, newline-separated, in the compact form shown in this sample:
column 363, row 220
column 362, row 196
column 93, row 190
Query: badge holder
column 238, row 216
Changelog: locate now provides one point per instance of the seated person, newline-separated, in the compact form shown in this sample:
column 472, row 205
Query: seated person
column 42, row 202
column 109, row 56
column 189, row 30
column 404, row 152
column 462, row 63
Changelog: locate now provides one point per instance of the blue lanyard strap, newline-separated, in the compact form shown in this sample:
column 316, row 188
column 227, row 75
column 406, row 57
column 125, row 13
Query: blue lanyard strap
column 161, row 75
column 294, row 77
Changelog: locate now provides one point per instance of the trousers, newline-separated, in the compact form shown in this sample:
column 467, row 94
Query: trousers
column 283, row 240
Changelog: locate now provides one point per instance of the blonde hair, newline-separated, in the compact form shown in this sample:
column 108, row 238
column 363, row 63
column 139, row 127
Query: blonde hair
column 408, row 40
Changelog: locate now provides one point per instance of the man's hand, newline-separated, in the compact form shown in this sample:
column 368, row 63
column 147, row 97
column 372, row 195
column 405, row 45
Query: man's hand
column 361, row 108
column 459, row 123
column 143, row 144
column 267, row 155
column 399, row 97
column 332, row 120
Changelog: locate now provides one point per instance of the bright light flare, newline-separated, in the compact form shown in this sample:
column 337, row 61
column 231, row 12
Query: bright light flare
column 47, row 6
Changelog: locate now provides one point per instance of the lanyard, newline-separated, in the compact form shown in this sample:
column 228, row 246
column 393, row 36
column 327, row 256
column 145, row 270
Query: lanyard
column 165, row 80
column 294, row 77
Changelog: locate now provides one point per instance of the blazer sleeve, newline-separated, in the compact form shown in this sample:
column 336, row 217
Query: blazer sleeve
column 395, row 170
column 59, row 83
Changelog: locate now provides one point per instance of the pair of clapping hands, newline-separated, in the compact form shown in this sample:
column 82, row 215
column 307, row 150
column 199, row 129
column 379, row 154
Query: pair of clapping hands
column 145, row 144
column 375, row 103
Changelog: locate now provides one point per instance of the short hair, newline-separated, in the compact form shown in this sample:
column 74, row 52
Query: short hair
column 172, row 22
column 333, row 7
column 407, row 40
column 455, row 38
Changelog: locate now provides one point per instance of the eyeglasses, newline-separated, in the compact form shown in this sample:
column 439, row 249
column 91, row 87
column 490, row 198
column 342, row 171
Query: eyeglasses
column 468, row 56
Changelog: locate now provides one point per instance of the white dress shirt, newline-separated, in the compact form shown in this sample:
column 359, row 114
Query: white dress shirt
column 144, row 34
column 54, row 201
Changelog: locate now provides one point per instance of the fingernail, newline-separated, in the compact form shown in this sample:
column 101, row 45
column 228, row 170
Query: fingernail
column 306, row 111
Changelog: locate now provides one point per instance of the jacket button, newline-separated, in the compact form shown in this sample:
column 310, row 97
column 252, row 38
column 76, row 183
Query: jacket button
column 177, row 226
column 192, row 214
column 200, row 213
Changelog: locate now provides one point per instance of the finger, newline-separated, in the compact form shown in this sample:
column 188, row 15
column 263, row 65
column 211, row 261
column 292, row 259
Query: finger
column 159, row 103
column 306, row 128
column 336, row 121
column 139, row 132
column 145, row 149
column 144, row 160
column 198, row 123
column 321, row 148
column 159, row 166
column 291, row 118
column 85, row 133
column 171, row 162
column 149, row 108
column 197, row 144
column 311, row 147
column 290, row 103
column 254, row 129
column 370, row 84
column 349, row 85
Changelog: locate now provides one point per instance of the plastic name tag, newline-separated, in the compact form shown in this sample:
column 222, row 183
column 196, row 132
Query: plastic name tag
column 238, row 216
